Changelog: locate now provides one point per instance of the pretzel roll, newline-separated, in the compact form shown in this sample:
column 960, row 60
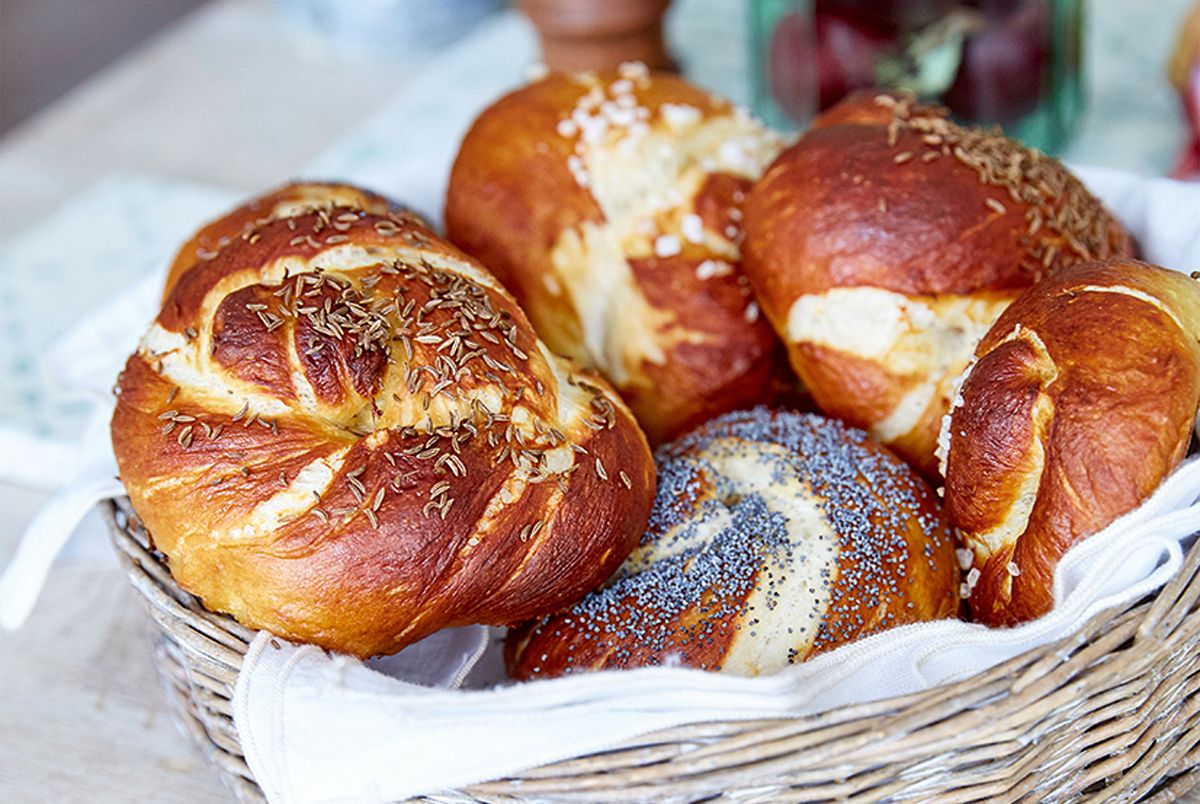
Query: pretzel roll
column 610, row 204
column 1082, row 397
column 774, row 537
column 341, row 429
column 885, row 243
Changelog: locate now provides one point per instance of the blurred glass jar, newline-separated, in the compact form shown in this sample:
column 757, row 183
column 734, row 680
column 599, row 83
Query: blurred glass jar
column 1016, row 63
column 388, row 26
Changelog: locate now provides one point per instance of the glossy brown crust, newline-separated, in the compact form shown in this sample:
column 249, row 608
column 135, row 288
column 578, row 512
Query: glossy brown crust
column 895, row 561
column 418, row 503
column 1084, row 394
column 245, row 220
column 512, row 197
column 836, row 210
column 815, row 221
column 699, row 380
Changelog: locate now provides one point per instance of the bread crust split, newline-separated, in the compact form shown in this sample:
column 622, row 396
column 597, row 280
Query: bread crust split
column 885, row 242
column 609, row 203
column 1081, row 398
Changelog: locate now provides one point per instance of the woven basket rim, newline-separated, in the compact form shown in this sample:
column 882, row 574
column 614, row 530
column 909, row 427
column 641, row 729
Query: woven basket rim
column 1132, row 670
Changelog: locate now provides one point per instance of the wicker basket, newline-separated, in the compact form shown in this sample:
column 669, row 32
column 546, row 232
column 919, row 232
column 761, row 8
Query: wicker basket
column 1112, row 713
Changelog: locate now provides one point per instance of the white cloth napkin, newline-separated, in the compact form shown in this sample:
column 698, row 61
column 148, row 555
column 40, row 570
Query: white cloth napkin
column 320, row 728
column 382, row 739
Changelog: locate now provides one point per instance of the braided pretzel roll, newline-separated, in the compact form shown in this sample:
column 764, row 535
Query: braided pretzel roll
column 609, row 203
column 774, row 537
column 343, row 430
column 1082, row 398
column 885, row 243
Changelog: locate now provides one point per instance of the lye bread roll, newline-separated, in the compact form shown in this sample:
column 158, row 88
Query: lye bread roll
column 610, row 205
column 1082, row 397
column 888, row 239
column 774, row 537
column 343, row 430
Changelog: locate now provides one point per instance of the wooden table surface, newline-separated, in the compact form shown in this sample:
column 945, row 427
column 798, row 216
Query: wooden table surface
column 215, row 99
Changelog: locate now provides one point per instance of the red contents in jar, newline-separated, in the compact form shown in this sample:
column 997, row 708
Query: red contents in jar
column 1004, row 64
column 892, row 16
column 994, row 55
column 790, row 67
column 848, row 49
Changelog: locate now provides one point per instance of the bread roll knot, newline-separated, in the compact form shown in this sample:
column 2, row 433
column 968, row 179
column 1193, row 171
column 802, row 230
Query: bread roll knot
column 343, row 430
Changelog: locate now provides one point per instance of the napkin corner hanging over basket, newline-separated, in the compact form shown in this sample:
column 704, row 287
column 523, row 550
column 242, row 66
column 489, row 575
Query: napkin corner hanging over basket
column 913, row 710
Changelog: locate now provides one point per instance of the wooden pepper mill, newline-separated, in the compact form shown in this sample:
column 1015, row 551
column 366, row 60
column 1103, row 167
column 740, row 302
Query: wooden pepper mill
column 600, row 34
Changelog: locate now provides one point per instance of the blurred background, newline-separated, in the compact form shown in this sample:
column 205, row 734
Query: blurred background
column 49, row 46
column 125, row 123
column 93, row 85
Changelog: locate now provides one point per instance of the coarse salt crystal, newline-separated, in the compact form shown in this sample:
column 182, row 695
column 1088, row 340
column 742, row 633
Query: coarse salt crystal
column 593, row 129
column 593, row 98
column 1013, row 569
column 667, row 246
column 627, row 146
column 692, row 227
column 621, row 117
column 972, row 579
column 678, row 115
column 566, row 128
column 633, row 70
column 965, row 558
column 732, row 154
column 621, row 86
column 710, row 268
column 578, row 170
column 752, row 312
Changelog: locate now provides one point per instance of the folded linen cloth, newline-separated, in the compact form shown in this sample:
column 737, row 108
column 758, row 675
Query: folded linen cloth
column 320, row 728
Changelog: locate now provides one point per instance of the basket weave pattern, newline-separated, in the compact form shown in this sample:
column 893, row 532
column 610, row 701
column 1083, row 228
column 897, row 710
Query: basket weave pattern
column 1110, row 713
